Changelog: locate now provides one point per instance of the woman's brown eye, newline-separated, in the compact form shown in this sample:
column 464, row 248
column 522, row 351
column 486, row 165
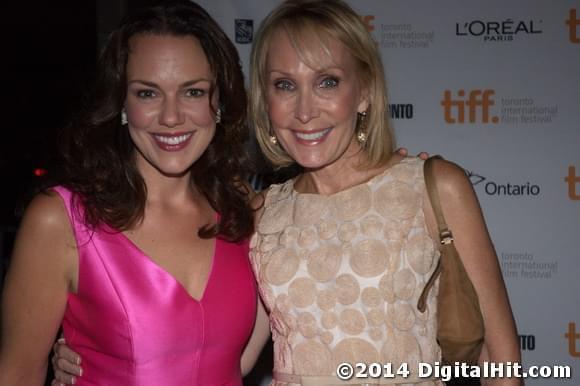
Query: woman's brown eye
column 145, row 94
column 195, row 92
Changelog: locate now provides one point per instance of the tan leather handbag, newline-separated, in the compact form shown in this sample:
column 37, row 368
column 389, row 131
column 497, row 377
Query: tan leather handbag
column 460, row 330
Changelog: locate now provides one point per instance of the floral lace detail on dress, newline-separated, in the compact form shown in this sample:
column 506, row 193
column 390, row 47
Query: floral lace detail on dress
column 341, row 274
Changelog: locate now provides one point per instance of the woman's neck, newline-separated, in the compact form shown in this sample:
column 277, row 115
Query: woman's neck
column 167, row 190
column 339, row 176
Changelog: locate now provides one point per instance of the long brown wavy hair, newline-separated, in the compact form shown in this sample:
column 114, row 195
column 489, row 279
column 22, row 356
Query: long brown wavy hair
column 97, row 151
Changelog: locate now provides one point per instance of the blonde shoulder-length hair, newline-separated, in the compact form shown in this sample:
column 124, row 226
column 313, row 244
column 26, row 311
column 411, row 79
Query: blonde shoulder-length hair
column 321, row 21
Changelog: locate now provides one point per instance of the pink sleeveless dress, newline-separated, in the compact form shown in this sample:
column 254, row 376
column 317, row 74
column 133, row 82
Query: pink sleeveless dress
column 135, row 324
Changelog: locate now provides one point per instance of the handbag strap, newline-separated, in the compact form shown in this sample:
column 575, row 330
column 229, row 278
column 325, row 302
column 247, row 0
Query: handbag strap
column 445, row 235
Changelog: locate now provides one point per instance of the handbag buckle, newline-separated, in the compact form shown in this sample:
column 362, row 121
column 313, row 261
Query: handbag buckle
column 446, row 237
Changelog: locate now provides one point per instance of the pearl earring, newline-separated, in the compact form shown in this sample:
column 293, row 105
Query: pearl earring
column 124, row 120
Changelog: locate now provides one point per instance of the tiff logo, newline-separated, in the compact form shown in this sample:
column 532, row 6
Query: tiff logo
column 573, row 22
column 572, row 337
column 368, row 22
column 477, row 105
column 572, row 179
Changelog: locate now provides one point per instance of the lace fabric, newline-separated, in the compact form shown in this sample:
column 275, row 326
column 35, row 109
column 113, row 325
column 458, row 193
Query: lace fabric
column 341, row 274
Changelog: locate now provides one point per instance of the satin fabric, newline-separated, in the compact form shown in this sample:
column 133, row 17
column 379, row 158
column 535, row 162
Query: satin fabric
column 135, row 324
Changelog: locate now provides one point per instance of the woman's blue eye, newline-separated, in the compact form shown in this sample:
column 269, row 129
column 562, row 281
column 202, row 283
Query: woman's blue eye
column 329, row 83
column 284, row 85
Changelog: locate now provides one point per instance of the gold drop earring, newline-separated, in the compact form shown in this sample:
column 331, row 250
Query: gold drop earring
column 272, row 138
column 361, row 126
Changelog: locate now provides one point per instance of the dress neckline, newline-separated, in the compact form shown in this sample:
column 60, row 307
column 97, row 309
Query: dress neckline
column 290, row 184
column 165, row 272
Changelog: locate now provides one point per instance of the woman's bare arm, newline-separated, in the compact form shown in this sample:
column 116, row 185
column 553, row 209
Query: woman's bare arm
column 465, row 219
column 34, row 298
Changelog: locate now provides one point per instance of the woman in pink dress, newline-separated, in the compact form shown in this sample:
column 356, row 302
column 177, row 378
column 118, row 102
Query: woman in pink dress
column 140, row 252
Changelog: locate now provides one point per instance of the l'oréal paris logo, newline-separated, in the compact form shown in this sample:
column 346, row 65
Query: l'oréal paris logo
column 498, row 31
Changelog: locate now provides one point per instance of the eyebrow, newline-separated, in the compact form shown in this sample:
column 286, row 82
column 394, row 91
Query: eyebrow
column 154, row 85
column 319, row 70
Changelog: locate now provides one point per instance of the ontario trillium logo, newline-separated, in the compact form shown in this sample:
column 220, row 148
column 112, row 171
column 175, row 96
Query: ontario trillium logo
column 493, row 188
column 474, row 177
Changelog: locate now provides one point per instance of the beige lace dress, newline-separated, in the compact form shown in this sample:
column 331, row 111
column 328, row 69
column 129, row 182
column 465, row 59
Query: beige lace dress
column 340, row 276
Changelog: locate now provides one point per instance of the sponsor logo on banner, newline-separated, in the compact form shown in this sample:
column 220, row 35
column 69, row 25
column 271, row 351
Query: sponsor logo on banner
column 468, row 107
column 498, row 30
column 527, row 342
column 474, row 178
column 573, row 180
column 398, row 35
column 573, row 24
column 526, row 111
column 573, row 337
column 400, row 111
column 368, row 21
column 493, row 188
column 526, row 266
column 481, row 107
column 244, row 30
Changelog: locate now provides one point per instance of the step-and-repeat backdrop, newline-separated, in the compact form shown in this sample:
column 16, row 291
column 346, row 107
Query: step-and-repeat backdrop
column 495, row 87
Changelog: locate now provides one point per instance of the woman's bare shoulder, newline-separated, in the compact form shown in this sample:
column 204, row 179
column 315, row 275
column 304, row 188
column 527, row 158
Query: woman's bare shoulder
column 451, row 178
column 46, row 211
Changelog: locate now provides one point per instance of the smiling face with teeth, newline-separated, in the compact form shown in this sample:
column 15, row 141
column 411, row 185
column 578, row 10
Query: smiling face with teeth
column 169, row 116
column 313, row 108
